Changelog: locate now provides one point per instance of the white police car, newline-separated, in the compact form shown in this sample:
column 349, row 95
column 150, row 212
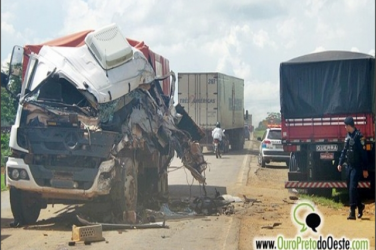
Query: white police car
column 271, row 148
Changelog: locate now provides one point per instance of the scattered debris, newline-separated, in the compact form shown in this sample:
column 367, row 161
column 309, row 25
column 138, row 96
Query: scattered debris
column 208, row 206
column 294, row 198
column 288, row 202
column 228, row 210
column 250, row 200
column 275, row 224
column 90, row 233
column 229, row 198
column 293, row 190
column 109, row 226
column 167, row 213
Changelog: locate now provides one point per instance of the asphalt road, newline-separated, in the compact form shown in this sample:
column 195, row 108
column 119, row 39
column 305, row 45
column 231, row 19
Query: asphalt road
column 54, row 228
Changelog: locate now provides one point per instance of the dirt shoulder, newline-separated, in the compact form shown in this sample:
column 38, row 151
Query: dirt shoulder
column 267, row 186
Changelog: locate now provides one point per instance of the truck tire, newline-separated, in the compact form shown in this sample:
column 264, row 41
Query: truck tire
column 15, row 205
column 238, row 142
column 227, row 146
column 130, row 190
column 25, row 206
column 124, row 192
column 297, row 162
column 293, row 164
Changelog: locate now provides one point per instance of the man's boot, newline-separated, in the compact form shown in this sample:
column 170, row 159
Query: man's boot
column 352, row 214
column 360, row 210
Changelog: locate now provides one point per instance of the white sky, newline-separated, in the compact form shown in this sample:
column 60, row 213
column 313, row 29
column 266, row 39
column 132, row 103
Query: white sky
column 244, row 38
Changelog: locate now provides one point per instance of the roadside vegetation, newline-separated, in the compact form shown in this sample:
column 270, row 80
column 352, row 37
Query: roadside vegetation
column 258, row 133
column 272, row 118
column 8, row 115
column 3, row 187
column 323, row 201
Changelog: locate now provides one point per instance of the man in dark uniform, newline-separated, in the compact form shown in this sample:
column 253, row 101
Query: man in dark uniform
column 356, row 157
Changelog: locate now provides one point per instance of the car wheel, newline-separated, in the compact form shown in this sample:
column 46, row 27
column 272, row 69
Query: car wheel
column 262, row 163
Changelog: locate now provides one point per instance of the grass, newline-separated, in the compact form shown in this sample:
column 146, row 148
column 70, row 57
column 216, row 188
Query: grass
column 323, row 201
column 3, row 187
column 258, row 133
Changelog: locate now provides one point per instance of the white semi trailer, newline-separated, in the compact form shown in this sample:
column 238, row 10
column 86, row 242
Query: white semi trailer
column 209, row 98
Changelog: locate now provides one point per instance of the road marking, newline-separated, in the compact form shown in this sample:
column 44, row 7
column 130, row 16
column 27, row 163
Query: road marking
column 244, row 170
column 241, row 181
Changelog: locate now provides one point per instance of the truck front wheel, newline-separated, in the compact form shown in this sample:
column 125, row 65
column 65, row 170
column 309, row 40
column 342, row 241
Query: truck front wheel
column 25, row 206
column 124, row 192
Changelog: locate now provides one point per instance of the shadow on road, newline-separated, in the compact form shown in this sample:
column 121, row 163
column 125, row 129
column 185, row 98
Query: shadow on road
column 3, row 237
column 5, row 222
column 177, row 191
column 272, row 166
column 66, row 217
column 243, row 152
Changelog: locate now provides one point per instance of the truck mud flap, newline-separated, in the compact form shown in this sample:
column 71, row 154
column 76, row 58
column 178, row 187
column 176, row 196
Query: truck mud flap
column 297, row 176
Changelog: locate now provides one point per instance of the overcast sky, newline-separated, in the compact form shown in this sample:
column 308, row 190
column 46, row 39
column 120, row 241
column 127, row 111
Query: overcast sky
column 244, row 38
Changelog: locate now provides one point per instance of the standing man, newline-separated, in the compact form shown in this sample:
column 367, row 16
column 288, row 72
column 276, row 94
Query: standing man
column 356, row 157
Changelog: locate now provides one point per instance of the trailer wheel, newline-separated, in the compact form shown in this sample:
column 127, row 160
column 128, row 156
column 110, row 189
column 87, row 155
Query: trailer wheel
column 241, row 140
column 25, row 206
column 238, row 142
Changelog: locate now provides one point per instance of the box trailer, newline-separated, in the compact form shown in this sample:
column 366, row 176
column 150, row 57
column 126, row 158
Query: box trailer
column 209, row 98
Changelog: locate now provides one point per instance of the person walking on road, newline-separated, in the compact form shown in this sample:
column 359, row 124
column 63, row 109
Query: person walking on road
column 356, row 157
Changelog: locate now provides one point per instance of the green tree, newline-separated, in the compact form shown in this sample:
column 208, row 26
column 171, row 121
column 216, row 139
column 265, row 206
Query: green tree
column 8, row 110
column 8, row 102
column 271, row 118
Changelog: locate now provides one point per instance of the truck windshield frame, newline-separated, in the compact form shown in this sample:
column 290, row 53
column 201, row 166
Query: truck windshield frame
column 29, row 75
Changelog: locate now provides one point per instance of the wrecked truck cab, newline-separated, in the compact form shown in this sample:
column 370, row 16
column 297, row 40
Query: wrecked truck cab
column 95, row 126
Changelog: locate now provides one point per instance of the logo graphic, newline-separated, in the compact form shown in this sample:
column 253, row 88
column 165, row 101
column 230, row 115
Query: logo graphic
column 312, row 220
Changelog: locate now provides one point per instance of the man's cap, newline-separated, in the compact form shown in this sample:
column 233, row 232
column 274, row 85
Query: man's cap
column 349, row 121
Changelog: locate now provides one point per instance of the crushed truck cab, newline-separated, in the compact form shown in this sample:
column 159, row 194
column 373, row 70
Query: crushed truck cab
column 96, row 120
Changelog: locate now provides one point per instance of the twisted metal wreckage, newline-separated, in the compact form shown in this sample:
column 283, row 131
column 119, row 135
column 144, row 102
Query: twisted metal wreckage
column 113, row 123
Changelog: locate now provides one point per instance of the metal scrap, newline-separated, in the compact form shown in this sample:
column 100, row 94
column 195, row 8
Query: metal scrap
column 113, row 226
column 275, row 224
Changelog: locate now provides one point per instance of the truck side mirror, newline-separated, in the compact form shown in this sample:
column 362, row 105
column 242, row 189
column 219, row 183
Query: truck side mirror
column 246, row 115
column 12, row 82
